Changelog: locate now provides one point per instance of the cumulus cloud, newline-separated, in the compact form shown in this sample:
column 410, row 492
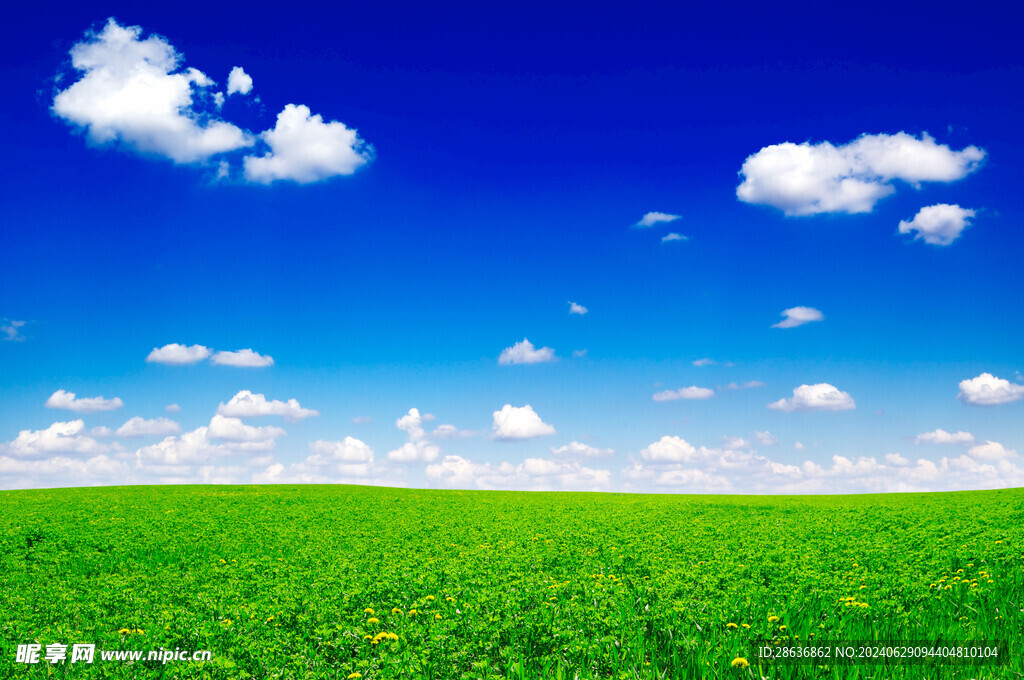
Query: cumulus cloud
column 60, row 437
column 580, row 450
column 673, row 236
column 533, row 473
column 140, row 427
column 417, row 448
column 246, row 404
column 222, row 427
column 988, row 390
column 305, row 149
column 524, row 352
column 575, row 308
column 990, row 450
column 809, row 179
column 178, row 355
column 654, row 218
column 513, row 423
column 735, row 443
column 68, row 400
column 132, row 90
column 939, row 224
column 245, row 358
column 820, row 397
column 448, row 431
column 669, row 449
column 239, row 81
column 798, row 316
column 691, row 392
column 940, row 436
column 765, row 438
column 172, row 408
column 348, row 450
column 12, row 330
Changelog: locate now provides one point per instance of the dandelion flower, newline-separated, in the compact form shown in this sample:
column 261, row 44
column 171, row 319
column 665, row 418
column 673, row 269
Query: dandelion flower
column 740, row 662
column 430, row 598
column 782, row 628
column 450, row 599
column 392, row 636
column 731, row 625
column 396, row 610
column 372, row 620
column 353, row 676
column 437, row 616
column 773, row 619
column 368, row 611
column 413, row 612
column 124, row 631
column 745, row 625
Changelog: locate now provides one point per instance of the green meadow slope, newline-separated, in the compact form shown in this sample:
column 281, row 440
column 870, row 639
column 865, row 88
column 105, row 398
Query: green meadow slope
column 346, row 581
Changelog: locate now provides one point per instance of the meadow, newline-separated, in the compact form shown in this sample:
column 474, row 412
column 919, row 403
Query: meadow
column 375, row 583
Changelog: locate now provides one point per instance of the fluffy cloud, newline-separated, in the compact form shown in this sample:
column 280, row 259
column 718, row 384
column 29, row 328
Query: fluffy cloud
column 234, row 429
column 245, row 358
column 239, row 81
column 524, row 352
column 513, row 423
column 61, row 437
column 533, row 473
column 447, row 431
column 990, row 450
column 245, row 404
column 988, row 390
column 765, row 438
column 820, row 397
column 178, row 355
column 12, row 330
column 349, row 450
column 131, row 90
column 653, row 218
column 939, row 224
column 417, row 449
column 691, row 392
column 735, row 443
column 671, row 449
column 942, row 437
column 673, row 236
column 305, row 149
column 577, row 309
column 808, row 179
column 140, row 427
column 798, row 316
column 67, row 400
column 172, row 408
column 580, row 450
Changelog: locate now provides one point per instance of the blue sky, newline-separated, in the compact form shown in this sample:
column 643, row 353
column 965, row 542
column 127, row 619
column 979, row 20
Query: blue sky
column 441, row 185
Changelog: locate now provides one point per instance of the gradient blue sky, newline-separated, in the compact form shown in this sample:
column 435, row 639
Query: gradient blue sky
column 515, row 149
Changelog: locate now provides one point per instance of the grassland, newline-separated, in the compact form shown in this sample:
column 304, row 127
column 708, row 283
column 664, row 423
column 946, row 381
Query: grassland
column 279, row 581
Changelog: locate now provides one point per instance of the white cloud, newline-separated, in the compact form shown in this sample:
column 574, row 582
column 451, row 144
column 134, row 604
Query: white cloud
column 798, row 316
column 239, row 81
column 349, row 450
column 305, row 149
column 132, row 91
column 245, row 404
column 704, row 362
column 669, row 449
column 577, row 309
column 172, row 408
column 140, row 427
column 990, row 450
column 245, row 358
column 61, row 471
column 234, row 429
column 417, row 449
column 673, row 236
column 67, row 400
column 820, row 397
column 412, row 424
column 513, row 423
column 361, row 420
column 580, row 450
column 765, row 438
column 988, row 390
column 63, row 437
column 524, row 352
column 691, row 392
column 750, row 384
column 809, row 179
column 653, row 218
column 799, row 446
column 942, row 437
column 579, row 353
column 178, row 355
column 12, row 330
column 533, row 473
column 939, row 224
column 447, row 431
column 735, row 443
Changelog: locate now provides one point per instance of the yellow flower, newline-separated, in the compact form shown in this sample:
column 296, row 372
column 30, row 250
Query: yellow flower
column 740, row 662
column 437, row 616
column 745, row 625
column 372, row 620
column 124, row 631
column 731, row 625
column 430, row 598
column 782, row 628
column 450, row 599
column 367, row 637
column 773, row 619
column 392, row 636
column 368, row 611
column 396, row 610
column 270, row 618
column 353, row 676
column 412, row 612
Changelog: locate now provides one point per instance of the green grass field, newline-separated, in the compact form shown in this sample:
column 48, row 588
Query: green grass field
column 301, row 581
